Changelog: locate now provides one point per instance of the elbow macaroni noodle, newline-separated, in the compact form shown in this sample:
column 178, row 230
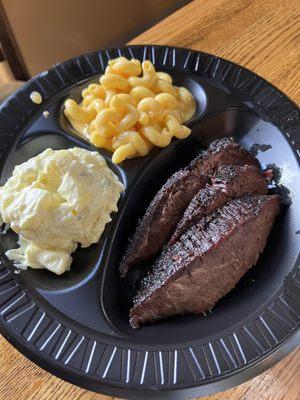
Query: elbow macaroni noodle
column 133, row 109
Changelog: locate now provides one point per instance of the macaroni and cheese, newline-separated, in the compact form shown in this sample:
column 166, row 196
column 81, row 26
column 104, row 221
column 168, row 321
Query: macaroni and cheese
column 133, row 109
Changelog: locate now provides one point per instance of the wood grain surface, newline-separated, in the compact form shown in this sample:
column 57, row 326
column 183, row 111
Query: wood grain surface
column 261, row 35
column 264, row 36
column 20, row 379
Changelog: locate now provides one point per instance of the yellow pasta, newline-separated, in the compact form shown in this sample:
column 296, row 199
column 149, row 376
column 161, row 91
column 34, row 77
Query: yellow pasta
column 109, row 94
column 97, row 91
column 125, row 67
column 96, row 105
column 74, row 111
column 187, row 102
column 160, row 138
column 132, row 109
column 115, row 82
column 162, row 86
column 174, row 128
column 151, row 108
column 106, row 122
column 140, row 92
column 166, row 100
column 148, row 78
column 164, row 76
column 129, row 144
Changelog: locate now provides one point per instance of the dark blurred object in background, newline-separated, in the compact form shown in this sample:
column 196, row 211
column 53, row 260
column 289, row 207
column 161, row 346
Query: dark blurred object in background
column 35, row 34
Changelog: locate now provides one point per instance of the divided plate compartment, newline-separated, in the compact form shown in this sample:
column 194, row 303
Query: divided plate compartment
column 76, row 325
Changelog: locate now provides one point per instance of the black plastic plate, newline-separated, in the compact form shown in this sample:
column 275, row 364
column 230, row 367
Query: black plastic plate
column 76, row 325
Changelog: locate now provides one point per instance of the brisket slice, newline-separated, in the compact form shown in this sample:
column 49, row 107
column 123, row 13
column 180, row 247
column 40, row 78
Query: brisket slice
column 228, row 182
column 207, row 261
column 166, row 209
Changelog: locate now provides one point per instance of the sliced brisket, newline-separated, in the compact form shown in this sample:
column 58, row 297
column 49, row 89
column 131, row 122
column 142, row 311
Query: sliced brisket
column 207, row 261
column 166, row 209
column 228, row 182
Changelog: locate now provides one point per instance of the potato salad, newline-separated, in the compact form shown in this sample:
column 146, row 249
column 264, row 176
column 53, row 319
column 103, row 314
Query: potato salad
column 55, row 201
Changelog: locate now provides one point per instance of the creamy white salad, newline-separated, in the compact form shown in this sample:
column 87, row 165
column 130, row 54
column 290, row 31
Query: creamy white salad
column 55, row 201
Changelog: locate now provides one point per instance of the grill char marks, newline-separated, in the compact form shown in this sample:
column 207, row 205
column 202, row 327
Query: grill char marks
column 207, row 261
column 228, row 182
column 161, row 217
column 166, row 209
column 222, row 152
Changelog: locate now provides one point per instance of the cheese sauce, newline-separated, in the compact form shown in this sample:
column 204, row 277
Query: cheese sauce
column 36, row 97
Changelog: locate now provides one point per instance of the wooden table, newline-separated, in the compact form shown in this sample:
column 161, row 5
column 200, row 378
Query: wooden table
column 262, row 35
